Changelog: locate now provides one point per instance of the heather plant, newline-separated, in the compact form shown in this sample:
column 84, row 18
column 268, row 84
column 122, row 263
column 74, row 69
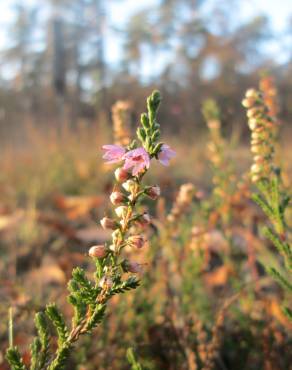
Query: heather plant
column 121, row 116
column 223, row 177
column 271, row 195
column 181, row 204
column 114, row 273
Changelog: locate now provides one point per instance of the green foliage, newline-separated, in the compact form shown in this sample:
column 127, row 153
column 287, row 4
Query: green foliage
column 34, row 350
column 264, row 205
column 97, row 316
column 288, row 313
column 40, row 345
column 82, row 291
column 132, row 360
column 149, row 133
column 272, row 197
column 58, row 321
column 273, row 202
column 62, row 355
column 131, row 283
column 14, row 359
column 211, row 110
column 280, row 278
column 89, row 299
column 283, row 247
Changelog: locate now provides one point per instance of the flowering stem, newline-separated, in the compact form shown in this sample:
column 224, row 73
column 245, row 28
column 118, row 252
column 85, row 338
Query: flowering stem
column 113, row 275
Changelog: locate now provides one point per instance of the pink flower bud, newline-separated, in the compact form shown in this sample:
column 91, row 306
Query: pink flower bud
column 136, row 241
column 132, row 197
column 97, row 251
column 251, row 93
column 248, row 103
column 252, row 123
column 144, row 219
column 121, row 211
column 116, row 235
column 108, row 223
column 117, row 198
column 259, row 159
column 113, row 248
column 129, row 185
column 255, row 168
column 121, row 175
column 153, row 192
column 134, row 267
column 105, row 282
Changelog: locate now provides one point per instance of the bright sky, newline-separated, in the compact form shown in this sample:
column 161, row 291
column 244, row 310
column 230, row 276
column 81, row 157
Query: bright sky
column 279, row 12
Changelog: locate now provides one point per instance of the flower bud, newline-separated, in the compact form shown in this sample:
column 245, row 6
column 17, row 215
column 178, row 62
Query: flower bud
column 117, row 198
column 153, row 192
column 251, row 93
column 259, row 159
column 255, row 178
column 255, row 149
column 136, row 241
column 256, row 135
column 253, row 112
column 121, row 175
column 255, row 168
column 114, row 248
column 132, row 197
column 144, row 219
column 121, row 211
column 116, row 235
column 256, row 142
column 252, row 123
column 108, row 223
column 98, row 251
column 105, row 282
column 129, row 185
column 248, row 103
column 134, row 267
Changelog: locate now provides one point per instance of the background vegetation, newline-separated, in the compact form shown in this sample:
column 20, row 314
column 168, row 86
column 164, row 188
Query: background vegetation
column 205, row 300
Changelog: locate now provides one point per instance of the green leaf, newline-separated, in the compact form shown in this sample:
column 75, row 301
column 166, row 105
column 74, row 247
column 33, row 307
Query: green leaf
column 157, row 149
column 263, row 186
column 287, row 312
column 285, row 201
column 14, row 359
column 153, row 102
column 280, row 278
column 35, row 349
column 97, row 316
column 282, row 247
column 79, row 276
column 58, row 321
column 145, row 120
column 155, row 136
column 264, row 206
column 43, row 335
column 132, row 360
column 141, row 134
column 62, row 355
column 131, row 283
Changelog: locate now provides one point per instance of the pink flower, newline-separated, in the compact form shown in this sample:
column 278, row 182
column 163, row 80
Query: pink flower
column 165, row 154
column 113, row 153
column 137, row 159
